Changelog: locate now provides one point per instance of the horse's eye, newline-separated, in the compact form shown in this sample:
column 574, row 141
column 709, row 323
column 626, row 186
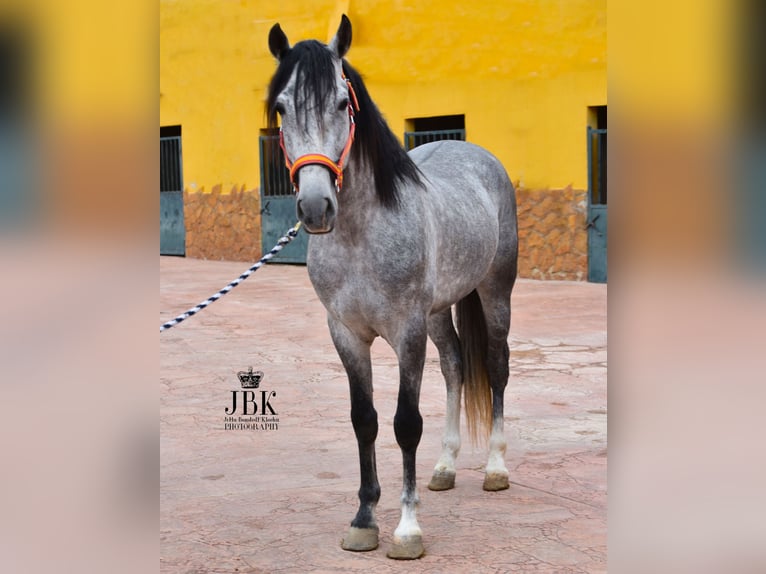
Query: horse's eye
column 280, row 109
column 343, row 104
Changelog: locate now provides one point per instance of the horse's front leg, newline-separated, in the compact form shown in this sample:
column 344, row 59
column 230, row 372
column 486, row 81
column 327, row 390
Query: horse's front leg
column 408, row 428
column 355, row 355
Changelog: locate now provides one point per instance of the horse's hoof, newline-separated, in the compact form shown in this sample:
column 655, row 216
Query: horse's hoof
column 360, row 539
column 494, row 481
column 407, row 548
column 442, row 480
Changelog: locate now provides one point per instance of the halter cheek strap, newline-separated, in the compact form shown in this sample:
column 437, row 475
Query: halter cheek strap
column 321, row 159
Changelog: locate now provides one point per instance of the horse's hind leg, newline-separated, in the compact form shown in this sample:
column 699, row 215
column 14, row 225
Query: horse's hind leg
column 355, row 355
column 442, row 333
column 496, row 304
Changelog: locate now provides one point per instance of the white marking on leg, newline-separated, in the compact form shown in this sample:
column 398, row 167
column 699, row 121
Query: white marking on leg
column 451, row 440
column 408, row 524
column 497, row 446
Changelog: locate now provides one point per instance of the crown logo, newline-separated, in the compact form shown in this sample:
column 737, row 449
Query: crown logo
column 250, row 379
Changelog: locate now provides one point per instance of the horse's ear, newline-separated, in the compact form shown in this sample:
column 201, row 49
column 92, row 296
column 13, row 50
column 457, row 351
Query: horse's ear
column 278, row 43
column 340, row 44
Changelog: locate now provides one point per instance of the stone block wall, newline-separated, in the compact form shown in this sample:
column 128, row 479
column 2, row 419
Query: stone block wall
column 223, row 226
column 553, row 242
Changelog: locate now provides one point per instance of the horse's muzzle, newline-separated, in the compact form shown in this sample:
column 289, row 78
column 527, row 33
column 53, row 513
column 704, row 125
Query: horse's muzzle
column 317, row 214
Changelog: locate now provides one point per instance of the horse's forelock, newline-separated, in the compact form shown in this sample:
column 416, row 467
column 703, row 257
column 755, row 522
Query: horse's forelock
column 315, row 80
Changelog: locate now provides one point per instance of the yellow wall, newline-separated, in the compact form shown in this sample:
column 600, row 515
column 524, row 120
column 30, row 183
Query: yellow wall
column 523, row 73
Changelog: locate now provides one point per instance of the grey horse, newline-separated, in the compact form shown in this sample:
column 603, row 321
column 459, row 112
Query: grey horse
column 396, row 240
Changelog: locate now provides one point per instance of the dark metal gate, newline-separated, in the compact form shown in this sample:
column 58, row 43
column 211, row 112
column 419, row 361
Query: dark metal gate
column 414, row 139
column 278, row 203
column 172, row 230
column 597, row 211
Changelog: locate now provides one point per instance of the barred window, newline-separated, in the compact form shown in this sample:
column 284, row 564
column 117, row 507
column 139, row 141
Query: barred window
column 431, row 129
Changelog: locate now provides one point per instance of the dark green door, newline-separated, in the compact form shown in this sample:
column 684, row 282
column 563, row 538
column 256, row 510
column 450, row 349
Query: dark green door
column 278, row 203
column 597, row 209
column 172, row 229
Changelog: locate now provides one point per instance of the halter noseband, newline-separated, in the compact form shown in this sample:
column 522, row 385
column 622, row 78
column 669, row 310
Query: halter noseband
column 321, row 159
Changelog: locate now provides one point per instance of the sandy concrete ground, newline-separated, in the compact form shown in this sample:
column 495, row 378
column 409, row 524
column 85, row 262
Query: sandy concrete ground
column 279, row 498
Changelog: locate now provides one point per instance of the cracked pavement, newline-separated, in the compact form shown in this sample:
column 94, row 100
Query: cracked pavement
column 279, row 499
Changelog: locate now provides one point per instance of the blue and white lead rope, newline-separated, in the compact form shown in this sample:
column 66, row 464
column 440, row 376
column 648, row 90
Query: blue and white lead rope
column 284, row 240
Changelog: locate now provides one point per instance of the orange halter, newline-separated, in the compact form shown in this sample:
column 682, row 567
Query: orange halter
column 321, row 159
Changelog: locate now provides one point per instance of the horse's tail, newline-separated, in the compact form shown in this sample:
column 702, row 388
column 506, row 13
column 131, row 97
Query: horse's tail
column 472, row 331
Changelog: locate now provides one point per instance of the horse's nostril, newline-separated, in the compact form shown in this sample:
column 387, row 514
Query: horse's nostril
column 329, row 208
column 299, row 209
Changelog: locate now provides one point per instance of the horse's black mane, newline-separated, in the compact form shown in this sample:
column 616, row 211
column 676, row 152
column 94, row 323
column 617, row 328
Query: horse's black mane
column 374, row 141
